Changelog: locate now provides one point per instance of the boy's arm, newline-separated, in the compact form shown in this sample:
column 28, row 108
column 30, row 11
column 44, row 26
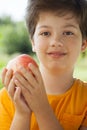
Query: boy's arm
column 47, row 120
column 20, row 122
column 83, row 128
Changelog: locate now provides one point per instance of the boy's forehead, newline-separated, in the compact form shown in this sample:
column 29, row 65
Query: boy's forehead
column 53, row 21
column 67, row 16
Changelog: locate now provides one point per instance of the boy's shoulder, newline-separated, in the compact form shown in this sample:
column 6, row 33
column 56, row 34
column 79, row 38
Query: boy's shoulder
column 80, row 89
column 82, row 85
column 5, row 98
column 3, row 93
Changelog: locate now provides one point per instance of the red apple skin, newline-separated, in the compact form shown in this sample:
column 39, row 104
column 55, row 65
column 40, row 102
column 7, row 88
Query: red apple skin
column 19, row 61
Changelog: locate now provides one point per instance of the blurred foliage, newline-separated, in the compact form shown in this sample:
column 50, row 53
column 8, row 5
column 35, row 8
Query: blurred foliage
column 17, row 40
column 84, row 54
column 14, row 37
column 1, row 85
column 5, row 20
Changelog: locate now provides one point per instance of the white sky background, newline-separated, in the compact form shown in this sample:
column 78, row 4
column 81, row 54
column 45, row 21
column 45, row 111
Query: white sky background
column 14, row 8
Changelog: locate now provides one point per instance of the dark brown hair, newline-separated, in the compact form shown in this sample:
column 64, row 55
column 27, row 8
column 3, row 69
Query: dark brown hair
column 77, row 7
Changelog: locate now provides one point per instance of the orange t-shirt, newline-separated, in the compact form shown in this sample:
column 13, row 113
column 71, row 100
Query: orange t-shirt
column 70, row 108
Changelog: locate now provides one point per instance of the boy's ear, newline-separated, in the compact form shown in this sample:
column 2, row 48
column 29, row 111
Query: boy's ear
column 33, row 49
column 84, row 45
column 33, row 45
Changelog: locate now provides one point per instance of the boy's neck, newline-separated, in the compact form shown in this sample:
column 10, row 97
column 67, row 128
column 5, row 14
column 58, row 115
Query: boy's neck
column 57, row 83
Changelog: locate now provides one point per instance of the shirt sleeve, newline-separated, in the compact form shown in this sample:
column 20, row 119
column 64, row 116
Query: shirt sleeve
column 6, row 111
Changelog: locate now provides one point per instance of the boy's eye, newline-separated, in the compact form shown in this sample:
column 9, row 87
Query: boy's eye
column 68, row 33
column 45, row 33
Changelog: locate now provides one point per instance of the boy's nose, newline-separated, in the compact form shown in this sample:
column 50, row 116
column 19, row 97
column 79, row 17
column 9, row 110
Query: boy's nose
column 56, row 43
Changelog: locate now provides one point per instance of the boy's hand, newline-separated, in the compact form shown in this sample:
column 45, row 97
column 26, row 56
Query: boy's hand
column 14, row 92
column 32, row 87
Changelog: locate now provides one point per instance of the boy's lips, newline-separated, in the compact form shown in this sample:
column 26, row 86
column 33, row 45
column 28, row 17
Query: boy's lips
column 57, row 53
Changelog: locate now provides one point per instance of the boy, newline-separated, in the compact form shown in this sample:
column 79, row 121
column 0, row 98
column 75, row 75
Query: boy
column 53, row 99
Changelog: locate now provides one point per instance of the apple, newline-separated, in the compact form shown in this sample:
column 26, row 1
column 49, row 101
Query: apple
column 21, row 60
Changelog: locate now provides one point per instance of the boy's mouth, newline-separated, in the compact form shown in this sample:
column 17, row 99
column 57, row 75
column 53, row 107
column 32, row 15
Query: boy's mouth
column 56, row 54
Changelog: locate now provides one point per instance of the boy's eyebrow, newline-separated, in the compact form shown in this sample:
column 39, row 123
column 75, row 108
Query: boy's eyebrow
column 71, row 25
column 43, row 26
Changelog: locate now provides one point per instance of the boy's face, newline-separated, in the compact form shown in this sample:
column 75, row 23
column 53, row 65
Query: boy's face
column 57, row 40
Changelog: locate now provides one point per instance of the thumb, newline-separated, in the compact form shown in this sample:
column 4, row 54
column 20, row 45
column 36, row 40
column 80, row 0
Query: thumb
column 17, row 95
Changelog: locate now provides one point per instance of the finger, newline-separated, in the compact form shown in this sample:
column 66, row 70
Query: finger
column 11, row 88
column 25, row 92
column 21, row 79
column 8, row 77
column 29, row 77
column 36, row 72
column 24, row 89
column 3, row 74
column 17, row 95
